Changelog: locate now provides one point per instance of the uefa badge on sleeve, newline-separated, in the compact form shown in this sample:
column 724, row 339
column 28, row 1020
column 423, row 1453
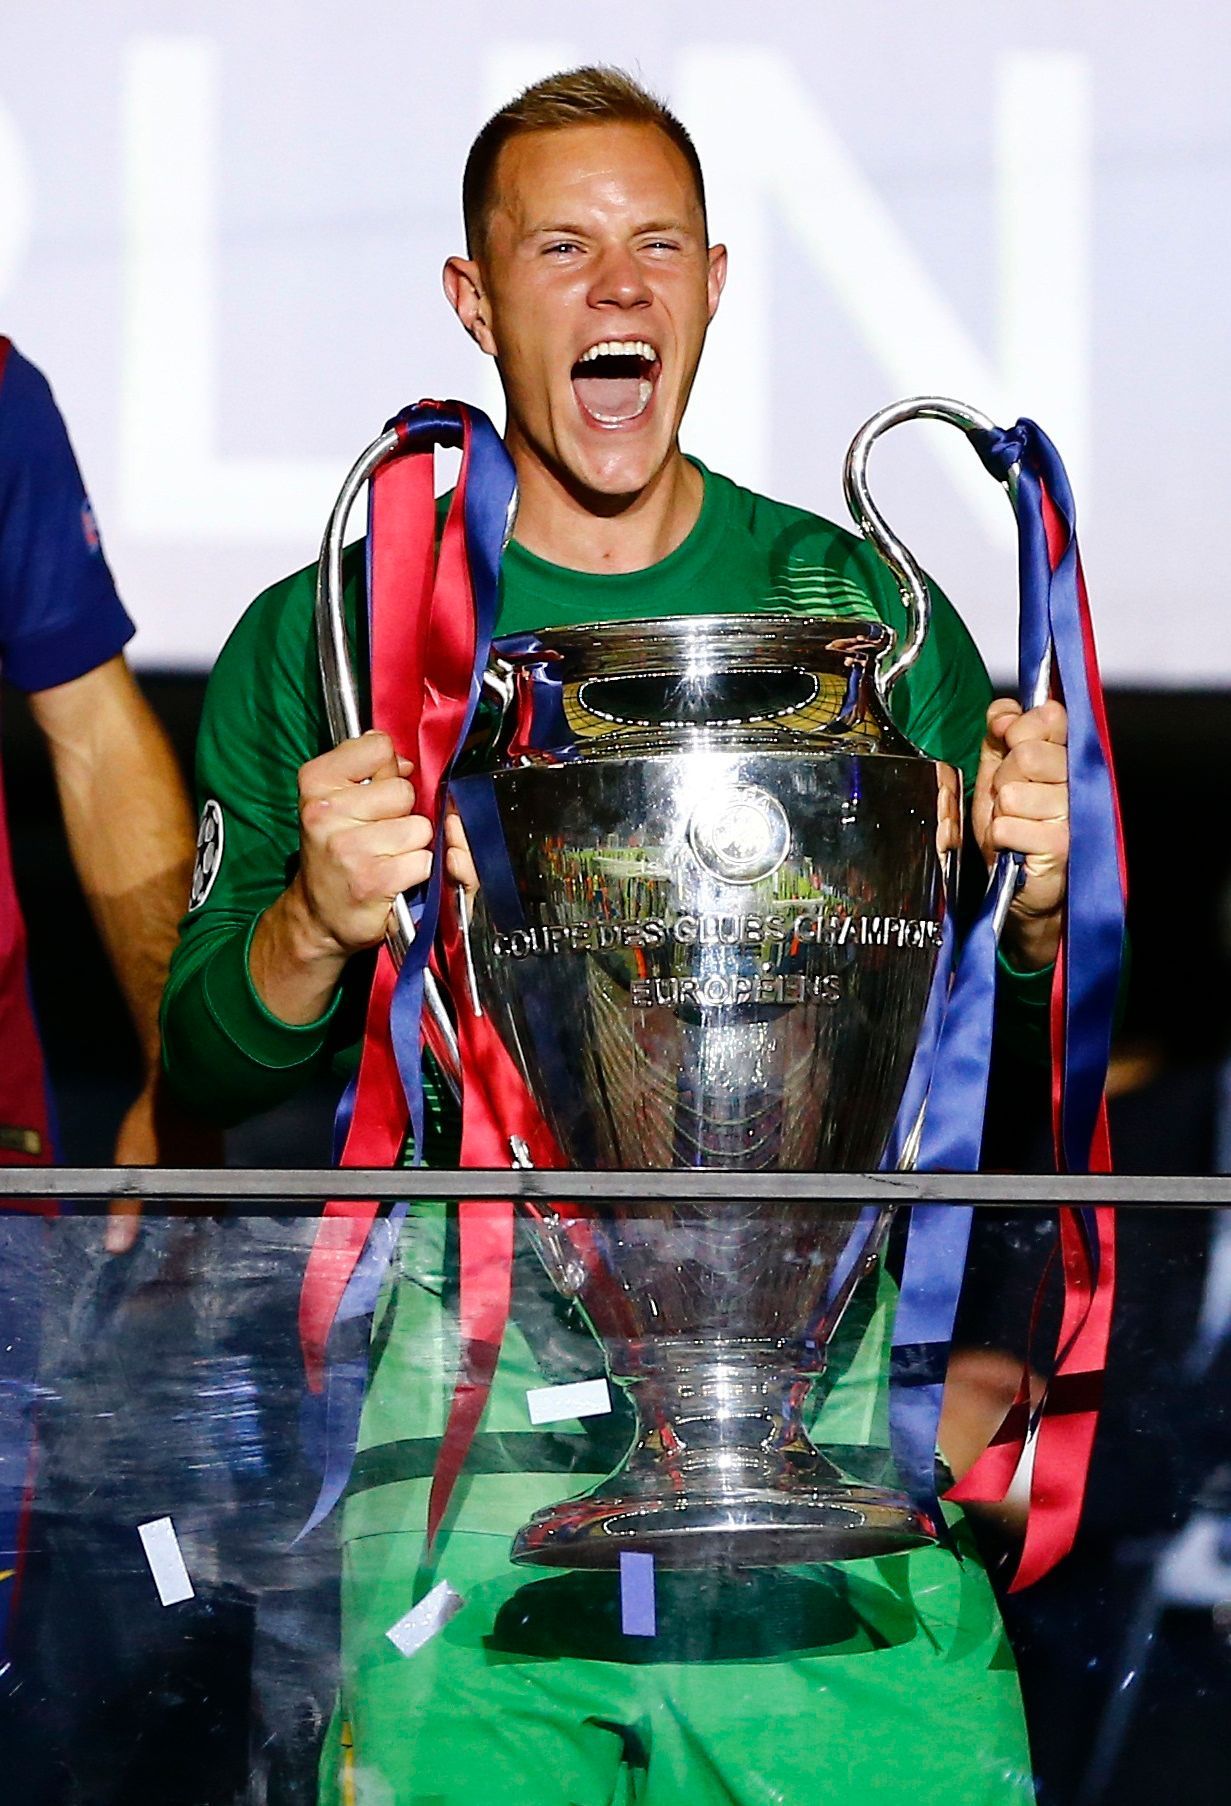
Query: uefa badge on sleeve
column 209, row 854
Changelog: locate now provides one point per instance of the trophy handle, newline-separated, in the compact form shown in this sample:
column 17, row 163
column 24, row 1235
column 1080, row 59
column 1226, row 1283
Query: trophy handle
column 342, row 710
column 872, row 523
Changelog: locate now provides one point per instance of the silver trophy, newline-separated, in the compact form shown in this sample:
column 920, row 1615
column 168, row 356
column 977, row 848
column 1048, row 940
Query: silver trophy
column 715, row 883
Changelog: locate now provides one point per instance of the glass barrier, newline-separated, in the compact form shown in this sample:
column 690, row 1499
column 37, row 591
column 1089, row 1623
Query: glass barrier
column 679, row 1566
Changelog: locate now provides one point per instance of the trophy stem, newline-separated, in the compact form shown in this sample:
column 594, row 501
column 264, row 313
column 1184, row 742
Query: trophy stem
column 705, row 1403
column 721, row 1470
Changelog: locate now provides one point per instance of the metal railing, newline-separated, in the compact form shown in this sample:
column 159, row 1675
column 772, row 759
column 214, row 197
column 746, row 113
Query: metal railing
column 93, row 1187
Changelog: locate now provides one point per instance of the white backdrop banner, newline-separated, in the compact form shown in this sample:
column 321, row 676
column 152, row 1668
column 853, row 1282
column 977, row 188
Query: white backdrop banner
column 222, row 226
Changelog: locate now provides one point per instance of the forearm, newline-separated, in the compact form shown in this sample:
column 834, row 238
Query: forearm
column 294, row 965
column 129, row 827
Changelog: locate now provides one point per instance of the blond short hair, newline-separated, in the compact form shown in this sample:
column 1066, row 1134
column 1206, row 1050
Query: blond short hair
column 595, row 95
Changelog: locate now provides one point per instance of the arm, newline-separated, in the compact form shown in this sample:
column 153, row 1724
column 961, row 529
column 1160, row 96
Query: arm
column 130, row 836
column 314, row 842
column 263, row 718
column 129, row 826
column 62, row 628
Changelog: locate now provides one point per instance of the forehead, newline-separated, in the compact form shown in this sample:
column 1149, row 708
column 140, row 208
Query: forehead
column 547, row 177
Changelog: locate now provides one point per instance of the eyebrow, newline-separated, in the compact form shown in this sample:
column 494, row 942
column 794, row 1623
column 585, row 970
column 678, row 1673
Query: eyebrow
column 561, row 229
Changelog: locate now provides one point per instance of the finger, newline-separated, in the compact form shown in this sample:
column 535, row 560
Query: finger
column 1033, row 802
column 384, row 799
column 1000, row 715
column 383, row 876
column 1049, row 721
column 371, row 755
column 455, row 833
column 123, row 1223
column 1033, row 762
column 1016, row 834
column 383, row 839
column 460, row 868
column 406, row 872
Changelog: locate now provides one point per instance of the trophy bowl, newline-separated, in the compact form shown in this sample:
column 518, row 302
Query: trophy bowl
column 714, row 883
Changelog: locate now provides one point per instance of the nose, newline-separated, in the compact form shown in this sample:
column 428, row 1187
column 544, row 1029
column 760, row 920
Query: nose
column 619, row 280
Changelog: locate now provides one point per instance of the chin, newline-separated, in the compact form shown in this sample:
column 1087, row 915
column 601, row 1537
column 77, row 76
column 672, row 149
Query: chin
column 625, row 472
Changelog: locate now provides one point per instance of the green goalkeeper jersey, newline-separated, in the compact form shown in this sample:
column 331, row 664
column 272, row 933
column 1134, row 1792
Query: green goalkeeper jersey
column 265, row 717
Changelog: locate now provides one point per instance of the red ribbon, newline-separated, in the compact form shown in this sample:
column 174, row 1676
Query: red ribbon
column 422, row 631
column 496, row 1106
column 423, row 639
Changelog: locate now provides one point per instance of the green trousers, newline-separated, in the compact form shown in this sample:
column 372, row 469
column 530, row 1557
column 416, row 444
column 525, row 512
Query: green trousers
column 871, row 1683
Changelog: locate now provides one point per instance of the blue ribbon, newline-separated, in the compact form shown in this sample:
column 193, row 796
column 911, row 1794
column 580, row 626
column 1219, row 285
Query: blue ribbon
column 330, row 1422
column 1050, row 627
column 548, row 729
column 475, row 799
column 1095, row 903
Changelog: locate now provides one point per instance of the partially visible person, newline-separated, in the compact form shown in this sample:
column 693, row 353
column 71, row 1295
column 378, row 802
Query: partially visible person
column 130, row 831
column 63, row 631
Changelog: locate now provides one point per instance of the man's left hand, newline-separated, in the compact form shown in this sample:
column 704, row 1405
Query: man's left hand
column 156, row 1132
column 1021, row 805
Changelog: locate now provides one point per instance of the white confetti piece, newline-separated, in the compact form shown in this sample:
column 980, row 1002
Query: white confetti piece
column 422, row 1621
column 582, row 1398
column 162, row 1551
column 638, row 1611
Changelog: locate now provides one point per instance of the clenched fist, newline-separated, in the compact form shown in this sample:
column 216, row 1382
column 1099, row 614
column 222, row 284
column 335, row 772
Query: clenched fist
column 1021, row 805
column 360, row 841
column 360, row 845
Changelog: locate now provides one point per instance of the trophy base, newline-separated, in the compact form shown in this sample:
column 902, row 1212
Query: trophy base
column 820, row 1520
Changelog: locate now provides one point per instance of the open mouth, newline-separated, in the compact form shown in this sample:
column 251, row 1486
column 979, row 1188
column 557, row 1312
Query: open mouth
column 614, row 380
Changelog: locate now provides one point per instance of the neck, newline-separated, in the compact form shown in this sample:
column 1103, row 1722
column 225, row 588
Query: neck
column 584, row 531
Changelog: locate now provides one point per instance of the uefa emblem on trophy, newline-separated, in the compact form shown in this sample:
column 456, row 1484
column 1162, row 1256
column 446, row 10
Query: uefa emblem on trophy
column 709, row 923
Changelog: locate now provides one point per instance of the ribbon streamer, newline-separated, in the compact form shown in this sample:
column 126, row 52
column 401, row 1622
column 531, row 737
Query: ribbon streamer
column 1055, row 635
column 429, row 626
column 431, row 617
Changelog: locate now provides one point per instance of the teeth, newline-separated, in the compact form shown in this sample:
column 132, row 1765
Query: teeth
column 620, row 348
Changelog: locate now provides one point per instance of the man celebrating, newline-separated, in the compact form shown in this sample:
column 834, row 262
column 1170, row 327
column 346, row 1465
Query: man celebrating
column 590, row 279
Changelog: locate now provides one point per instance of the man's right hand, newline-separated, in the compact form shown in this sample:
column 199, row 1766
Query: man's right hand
column 360, row 844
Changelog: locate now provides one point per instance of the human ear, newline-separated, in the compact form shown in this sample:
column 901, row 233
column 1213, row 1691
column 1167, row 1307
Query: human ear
column 463, row 285
column 716, row 276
